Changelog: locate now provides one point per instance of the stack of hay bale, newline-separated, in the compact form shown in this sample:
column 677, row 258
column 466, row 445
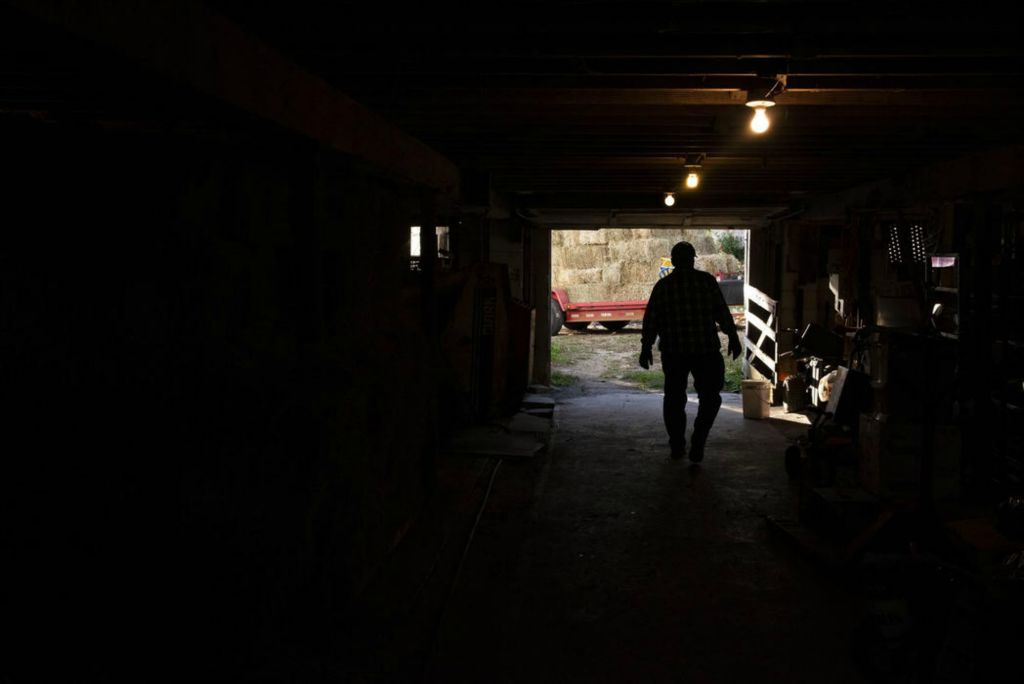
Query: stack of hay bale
column 621, row 264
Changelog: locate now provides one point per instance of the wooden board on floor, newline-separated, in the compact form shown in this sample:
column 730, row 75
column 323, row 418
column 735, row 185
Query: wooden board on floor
column 537, row 401
column 491, row 441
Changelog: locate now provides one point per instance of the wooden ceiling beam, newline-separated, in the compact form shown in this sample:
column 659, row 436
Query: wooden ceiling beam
column 734, row 68
column 637, row 95
column 499, row 40
column 613, row 200
column 188, row 43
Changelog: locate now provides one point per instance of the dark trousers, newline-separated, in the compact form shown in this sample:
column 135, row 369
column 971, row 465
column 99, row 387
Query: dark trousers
column 708, row 379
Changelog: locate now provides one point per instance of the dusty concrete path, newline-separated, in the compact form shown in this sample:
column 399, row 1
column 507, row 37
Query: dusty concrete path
column 632, row 567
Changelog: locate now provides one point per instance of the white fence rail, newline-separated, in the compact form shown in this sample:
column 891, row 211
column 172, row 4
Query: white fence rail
column 761, row 349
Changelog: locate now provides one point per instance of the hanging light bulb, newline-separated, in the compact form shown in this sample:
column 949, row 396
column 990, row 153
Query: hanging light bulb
column 692, row 165
column 760, row 123
column 670, row 199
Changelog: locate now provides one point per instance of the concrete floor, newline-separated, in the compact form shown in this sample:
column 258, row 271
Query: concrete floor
column 604, row 560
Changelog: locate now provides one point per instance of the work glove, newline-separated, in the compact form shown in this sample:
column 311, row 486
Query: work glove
column 734, row 346
column 646, row 357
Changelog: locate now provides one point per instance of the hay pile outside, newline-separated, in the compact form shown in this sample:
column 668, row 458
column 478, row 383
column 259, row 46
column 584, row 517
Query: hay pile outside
column 618, row 264
column 718, row 263
column 704, row 242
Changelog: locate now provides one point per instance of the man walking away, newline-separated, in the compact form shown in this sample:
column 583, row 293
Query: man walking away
column 681, row 313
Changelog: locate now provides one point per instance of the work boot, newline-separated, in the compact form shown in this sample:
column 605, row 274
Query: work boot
column 678, row 451
column 697, row 449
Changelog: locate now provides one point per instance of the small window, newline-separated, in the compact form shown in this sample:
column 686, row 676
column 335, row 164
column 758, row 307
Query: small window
column 414, row 241
column 443, row 243
column 443, row 235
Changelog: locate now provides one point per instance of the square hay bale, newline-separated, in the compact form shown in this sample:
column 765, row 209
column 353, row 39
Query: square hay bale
column 620, row 234
column 630, row 292
column 704, row 242
column 640, row 272
column 669, row 236
column 585, row 256
column 622, row 264
column 621, row 252
column 612, row 274
column 712, row 263
column 579, row 276
column 592, row 237
column 638, row 291
column 594, row 292
column 734, row 264
column 653, row 250
column 568, row 238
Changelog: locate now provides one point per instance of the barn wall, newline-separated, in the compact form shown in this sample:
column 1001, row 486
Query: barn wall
column 194, row 429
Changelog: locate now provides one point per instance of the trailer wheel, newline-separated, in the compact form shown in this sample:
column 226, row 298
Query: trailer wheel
column 557, row 317
column 614, row 325
column 577, row 325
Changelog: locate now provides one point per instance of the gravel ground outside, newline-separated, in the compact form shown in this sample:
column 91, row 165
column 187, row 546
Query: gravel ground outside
column 594, row 356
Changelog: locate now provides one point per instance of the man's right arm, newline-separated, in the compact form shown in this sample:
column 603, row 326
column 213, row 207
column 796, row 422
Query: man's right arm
column 650, row 330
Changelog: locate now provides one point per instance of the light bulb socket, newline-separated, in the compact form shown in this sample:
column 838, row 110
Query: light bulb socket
column 762, row 94
column 694, row 160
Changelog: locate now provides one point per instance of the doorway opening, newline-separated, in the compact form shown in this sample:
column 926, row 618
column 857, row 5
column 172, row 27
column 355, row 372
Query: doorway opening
column 601, row 280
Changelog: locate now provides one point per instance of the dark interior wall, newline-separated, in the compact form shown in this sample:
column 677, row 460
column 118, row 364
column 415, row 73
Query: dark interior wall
column 216, row 414
column 764, row 259
column 507, row 245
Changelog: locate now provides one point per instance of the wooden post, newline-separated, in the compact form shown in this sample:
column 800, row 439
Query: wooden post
column 540, row 253
column 430, row 344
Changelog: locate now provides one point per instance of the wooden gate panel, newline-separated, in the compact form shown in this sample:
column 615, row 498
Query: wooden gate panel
column 760, row 348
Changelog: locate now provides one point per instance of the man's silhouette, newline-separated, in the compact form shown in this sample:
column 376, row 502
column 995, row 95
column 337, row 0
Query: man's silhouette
column 681, row 313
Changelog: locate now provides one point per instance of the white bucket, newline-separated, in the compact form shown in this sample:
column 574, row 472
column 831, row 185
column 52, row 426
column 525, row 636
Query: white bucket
column 756, row 398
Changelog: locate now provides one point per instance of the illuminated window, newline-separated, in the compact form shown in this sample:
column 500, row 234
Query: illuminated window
column 414, row 241
column 443, row 242
column 443, row 246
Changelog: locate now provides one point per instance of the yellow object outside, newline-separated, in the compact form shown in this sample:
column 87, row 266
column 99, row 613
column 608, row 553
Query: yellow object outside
column 666, row 267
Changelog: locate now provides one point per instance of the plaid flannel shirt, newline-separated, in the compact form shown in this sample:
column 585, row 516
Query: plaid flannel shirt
column 682, row 311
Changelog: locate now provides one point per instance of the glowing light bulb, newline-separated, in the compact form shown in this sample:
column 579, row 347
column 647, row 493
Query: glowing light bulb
column 692, row 180
column 760, row 122
column 669, row 199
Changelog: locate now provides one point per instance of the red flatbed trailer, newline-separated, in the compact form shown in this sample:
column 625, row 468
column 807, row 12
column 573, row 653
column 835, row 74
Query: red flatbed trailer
column 617, row 314
column 611, row 315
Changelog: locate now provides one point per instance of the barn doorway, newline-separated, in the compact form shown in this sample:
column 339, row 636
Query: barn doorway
column 600, row 282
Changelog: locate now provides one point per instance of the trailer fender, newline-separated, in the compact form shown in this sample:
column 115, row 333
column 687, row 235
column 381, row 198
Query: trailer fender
column 562, row 297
